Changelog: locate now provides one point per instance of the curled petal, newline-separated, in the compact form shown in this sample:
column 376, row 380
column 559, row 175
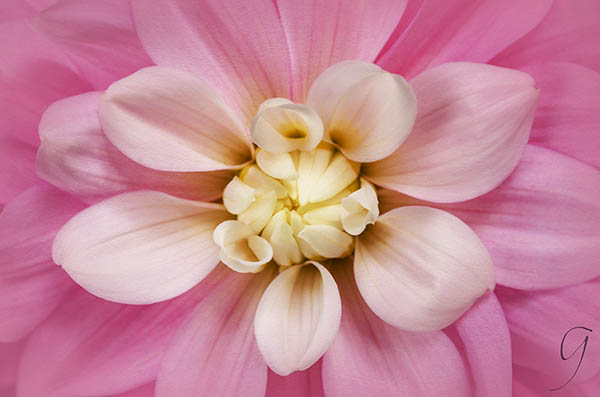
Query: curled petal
column 169, row 120
column 366, row 111
column 360, row 209
column 241, row 249
column 237, row 196
column 279, row 166
column 472, row 126
column 285, row 127
column 420, row 268
column 327, row 241
column 297, row 318
column 140, row 247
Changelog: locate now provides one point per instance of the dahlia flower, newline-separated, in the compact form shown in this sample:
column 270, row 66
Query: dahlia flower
column 299, row 198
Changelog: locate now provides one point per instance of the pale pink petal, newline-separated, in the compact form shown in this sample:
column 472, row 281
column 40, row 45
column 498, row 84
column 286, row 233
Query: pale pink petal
column 483, row 337
column 31, row 286
column 461, row 30
column 541, row 225
column 237, row 46
column 297, row 384
column 99, row 36
column 169, row 120
column 366, row 111
column 568, row 115
column 568, row 33
column 420, row 268
column 371, row 358
column 539, row 320
column 97, row 347
column 215, row 353
column 10, row 355
column 140, row 247
column 76, row 156
column 323, row 33
column 297, row 318
column 473, row 122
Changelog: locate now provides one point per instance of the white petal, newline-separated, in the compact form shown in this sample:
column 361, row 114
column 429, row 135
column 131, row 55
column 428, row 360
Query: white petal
column 328, row 215
column 297, row 318
column 420, row 268
column 278, row 166
column 140, row 247
column 263, row 183
column 366, row 111
column 241, row 249
column 259, row 213
column 339, row 173
column 360, row 209
column 327, row 241
column 237, row 196
column 281, row 236
column 287, row 127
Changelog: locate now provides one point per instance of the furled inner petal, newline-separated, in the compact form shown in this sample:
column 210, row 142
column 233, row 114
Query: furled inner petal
column 360, row 209
column 241, row 249
column 279, row 166
column 327, row 241
column 282, row 127
column 297, row 317
column 237, row 196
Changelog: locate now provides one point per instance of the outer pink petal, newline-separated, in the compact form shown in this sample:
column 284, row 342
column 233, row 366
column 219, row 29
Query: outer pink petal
column 372, row 358
column 483, row 337
column 140, row 247
column 10, row 354
column 236, row 46
column 568, row 115
column 530, row 383
column 568, row 33
column 170, row 120
column 297, row 384
column 76, row 156
column 473, row 122
column 215, row 353
column 142, row 391
column 538, row 322
column 98, row 347
column 541, row 226
column 99, row 36
column 17, row 169
column 461, row 30
column 322, row 33
column 31, row 286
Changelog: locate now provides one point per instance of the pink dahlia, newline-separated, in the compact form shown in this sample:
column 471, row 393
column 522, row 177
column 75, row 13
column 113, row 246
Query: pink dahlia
column 338, row 198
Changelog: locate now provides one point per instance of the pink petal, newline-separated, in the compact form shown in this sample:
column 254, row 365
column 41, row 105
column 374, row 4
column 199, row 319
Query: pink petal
column 568, row 34
column 568, row 115
column 538, row 321
column 372, row 358
column 420, row 268
column 298, row 384
column 98, row 347
column 301, row 305
column 541, row 226
column 169, row 120
column 529, row 383
column 10, row 355
column 31, row 286
column 142, row 391
column 17, row 170
column 140, row 247
column 473, row 122
column 99, row 36
column 237, row 46
column 484, row 339
column 14, row 9
column 323, row 33
column 215, row 353
column 76, row 156
column 461, row 30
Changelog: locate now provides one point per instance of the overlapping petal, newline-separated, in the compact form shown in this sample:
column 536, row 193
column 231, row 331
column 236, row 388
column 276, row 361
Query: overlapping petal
column 472, row 124
column 323, row 33
column 140, row 247
column 297, row 384
column 98, row 36
column 369, row 357
column 460, row 30
column 76, row 156
column 169, row 120
column 541, row 225
column 98, row 348
column 215, row 353
column 31, row 285
column 297, row 318
column 236, row 46
column 420, row 268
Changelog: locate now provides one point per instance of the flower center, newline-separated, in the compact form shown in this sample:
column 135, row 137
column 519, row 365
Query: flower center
column 305, row 201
